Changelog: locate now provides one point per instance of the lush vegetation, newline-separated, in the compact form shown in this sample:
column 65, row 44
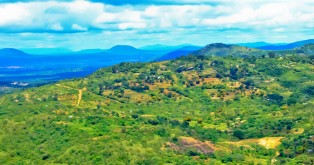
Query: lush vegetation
column 192, row 110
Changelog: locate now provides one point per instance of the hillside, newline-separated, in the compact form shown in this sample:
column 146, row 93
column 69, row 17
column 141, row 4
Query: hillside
column 193, row 110
column 307, row 49
column 222, row 50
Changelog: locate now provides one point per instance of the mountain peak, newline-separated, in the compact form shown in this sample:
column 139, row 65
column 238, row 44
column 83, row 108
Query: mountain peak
column 220, row 49
column 123, row 47
column 12, row 52
column 218, row 45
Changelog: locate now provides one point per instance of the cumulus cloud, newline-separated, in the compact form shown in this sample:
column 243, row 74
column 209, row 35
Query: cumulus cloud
column 56, row 27
column 82, row 15
column 12, row 14
column 157, row 2
column 165, row 19
column 78, row 27
column 67, row 17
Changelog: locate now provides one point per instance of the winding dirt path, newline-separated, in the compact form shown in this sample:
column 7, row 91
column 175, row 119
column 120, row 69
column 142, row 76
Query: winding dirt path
column 79, row 97
column 80, row 93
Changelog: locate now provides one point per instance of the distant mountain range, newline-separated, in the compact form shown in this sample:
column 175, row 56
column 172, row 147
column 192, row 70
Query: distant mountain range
column 258, row 44
column 161, row 50
column 11, row 52
column 46, row 51
column 286, row 46
column 115, row 49
column 157, row 52
column 43, row 66
column 90, row 51
column 165, row 47
column 60, row 63
column 178, row 53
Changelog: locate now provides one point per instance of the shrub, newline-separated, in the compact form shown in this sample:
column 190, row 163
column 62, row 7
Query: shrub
column 239, row 134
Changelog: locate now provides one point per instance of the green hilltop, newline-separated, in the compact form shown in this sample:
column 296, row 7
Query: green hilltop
column 223, row 50
column 198, row 109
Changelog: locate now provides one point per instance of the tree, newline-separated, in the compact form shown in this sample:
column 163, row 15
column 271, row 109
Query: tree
column 185, row 124
column 239, row 134
column 249, row 83
column 233, row 73
column 293, row 99
column 271, row 55
column 276, row 98
column 134, row 116
column 309, row 90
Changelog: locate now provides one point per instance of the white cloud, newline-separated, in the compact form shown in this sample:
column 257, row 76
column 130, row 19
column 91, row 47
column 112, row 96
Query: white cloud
column 121, row 17
column 279, row 30
column 250, row 19
column 81, row 15
column 131, row 25
column 13, row 14
column 56, row 27
column 78, row 27
column 42, row 16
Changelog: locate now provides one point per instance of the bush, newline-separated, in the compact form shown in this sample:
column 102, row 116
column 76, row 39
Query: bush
column 276, row 98
column 309, row 90
column 134, row 116
column 193, row 153
column 185, row 124
column 239, row 134
column 175, row 139
column 162, row 132
column 175, row 123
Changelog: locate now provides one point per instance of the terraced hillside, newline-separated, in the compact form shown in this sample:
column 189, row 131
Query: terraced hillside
column 193, row 110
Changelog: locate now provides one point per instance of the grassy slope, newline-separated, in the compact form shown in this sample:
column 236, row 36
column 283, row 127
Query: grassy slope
column 119, row 120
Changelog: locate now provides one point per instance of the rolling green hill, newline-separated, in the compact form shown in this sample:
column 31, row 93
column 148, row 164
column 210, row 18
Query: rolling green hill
column 193, row 110
column 223, row 50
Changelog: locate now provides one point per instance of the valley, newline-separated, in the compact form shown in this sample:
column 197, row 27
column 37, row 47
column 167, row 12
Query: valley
column 41, row 67
column 17, row 67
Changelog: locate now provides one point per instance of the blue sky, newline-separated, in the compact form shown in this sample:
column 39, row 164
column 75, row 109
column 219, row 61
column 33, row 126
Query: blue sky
column 82, row 24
